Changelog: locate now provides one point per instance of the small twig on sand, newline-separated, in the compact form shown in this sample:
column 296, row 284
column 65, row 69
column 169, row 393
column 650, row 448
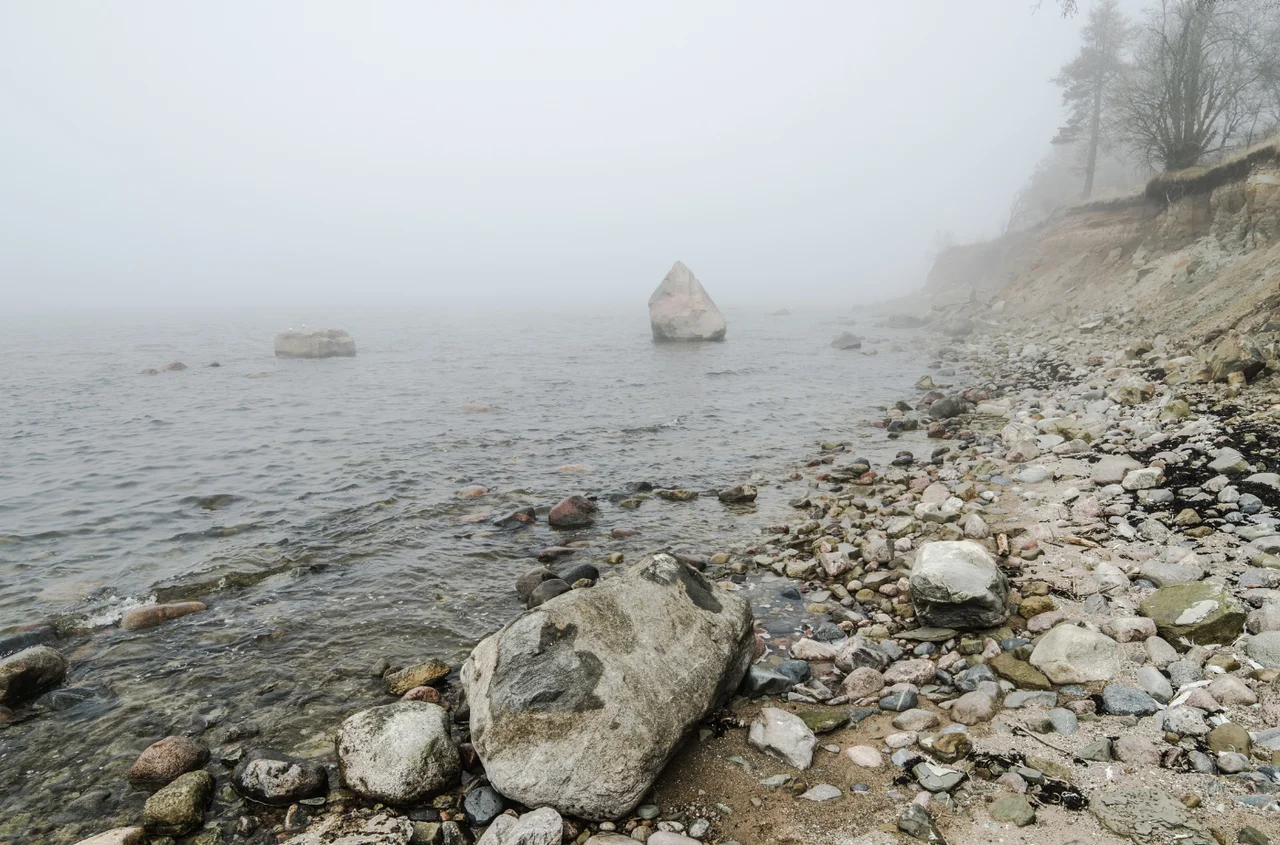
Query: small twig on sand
column 1018, row 729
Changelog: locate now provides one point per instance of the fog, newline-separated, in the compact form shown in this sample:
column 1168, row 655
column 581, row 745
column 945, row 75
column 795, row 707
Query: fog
column 181, row 154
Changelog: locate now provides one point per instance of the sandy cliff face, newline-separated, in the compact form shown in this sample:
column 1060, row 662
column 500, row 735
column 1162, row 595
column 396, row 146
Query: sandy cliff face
column 1195, row 254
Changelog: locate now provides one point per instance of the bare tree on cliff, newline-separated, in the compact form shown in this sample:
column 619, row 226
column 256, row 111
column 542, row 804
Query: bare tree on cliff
column 1196, row 74
column 1087, row 81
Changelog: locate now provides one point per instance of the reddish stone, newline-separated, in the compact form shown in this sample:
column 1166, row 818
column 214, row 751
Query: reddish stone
column 157, row 614
column 572, row 512
column 431, row 695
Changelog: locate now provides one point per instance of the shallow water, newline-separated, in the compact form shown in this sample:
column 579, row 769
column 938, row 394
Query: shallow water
column 314, row 507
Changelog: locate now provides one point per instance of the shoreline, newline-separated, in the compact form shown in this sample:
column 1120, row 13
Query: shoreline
column 1061, row 528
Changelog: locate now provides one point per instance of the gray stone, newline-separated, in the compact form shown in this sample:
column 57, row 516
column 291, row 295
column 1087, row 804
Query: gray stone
column 272, row 778
column 1155, row 683
column 540, row 827
column 935, row 778
column 398, row 753
column 1120, row 700
column 958, row 585
column 1072, row 655
column 784, row 735
column 899, row 701
column 1064, row 721
column 1112, row 469
column 1030, row 698
column 1099, row 751
column 821, row 792
column 483, row 805
column 1147, row 816
column 1185, row 721
column 1265, row 648
column 579, row 704
column 1162, row 573
column 916, row 822
column 1012, row 809
column 1183, row 672
column 759, row 681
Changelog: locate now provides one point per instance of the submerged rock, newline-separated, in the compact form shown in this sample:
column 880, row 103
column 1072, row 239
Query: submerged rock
column 179, row 807
column 398, row 753
column 958, row 585
column 315, row 343
column 680, row 309
column 269, row 777
column 572, row 512
column 117, row 836
column 165, row 760
column 29, row 672
column 418, row 675
column 157, row 614
column 578, row 704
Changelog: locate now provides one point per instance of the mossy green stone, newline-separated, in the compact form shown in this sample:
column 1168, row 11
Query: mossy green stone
column 1229, row 737
column 824, row 721
column 1019, row 672
column 1012, row 809
column 179, row 807
column 1201, row 613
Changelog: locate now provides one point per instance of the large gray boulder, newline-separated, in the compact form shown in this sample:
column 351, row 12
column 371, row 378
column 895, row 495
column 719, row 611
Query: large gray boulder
column 315, row 343
column 681, row 310
column 958, row 585
column 579, row 703
column 398, row 753
column 1072, row 655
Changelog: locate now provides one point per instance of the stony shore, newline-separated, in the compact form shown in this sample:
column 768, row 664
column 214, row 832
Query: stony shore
column 1090, row 651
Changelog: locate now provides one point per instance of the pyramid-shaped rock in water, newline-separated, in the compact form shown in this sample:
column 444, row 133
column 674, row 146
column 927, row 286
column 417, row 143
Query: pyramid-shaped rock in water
column 681, row 310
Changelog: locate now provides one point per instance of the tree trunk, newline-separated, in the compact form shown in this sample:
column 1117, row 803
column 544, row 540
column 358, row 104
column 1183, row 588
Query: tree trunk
column 1095, row 129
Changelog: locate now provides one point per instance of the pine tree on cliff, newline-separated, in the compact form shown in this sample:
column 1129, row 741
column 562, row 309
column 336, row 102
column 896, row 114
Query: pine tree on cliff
column 1086, row 80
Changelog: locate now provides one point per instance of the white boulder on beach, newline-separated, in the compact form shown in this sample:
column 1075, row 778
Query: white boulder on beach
column 680, row 309
column 579, row 703
column 315, row 343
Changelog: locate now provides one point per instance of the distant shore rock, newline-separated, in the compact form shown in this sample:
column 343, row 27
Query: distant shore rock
column 315, row 343
column 681, row 310
column 847, row 340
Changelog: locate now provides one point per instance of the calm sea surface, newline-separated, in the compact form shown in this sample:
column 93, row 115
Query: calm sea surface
column 312, row 504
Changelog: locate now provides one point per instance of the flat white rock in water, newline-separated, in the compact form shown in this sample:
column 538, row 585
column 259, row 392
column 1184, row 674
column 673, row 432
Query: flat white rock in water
column 315, row 343
column 680, row 309
column 578, row 703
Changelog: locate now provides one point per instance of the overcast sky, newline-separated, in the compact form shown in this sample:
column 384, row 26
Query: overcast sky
column 186, row 153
